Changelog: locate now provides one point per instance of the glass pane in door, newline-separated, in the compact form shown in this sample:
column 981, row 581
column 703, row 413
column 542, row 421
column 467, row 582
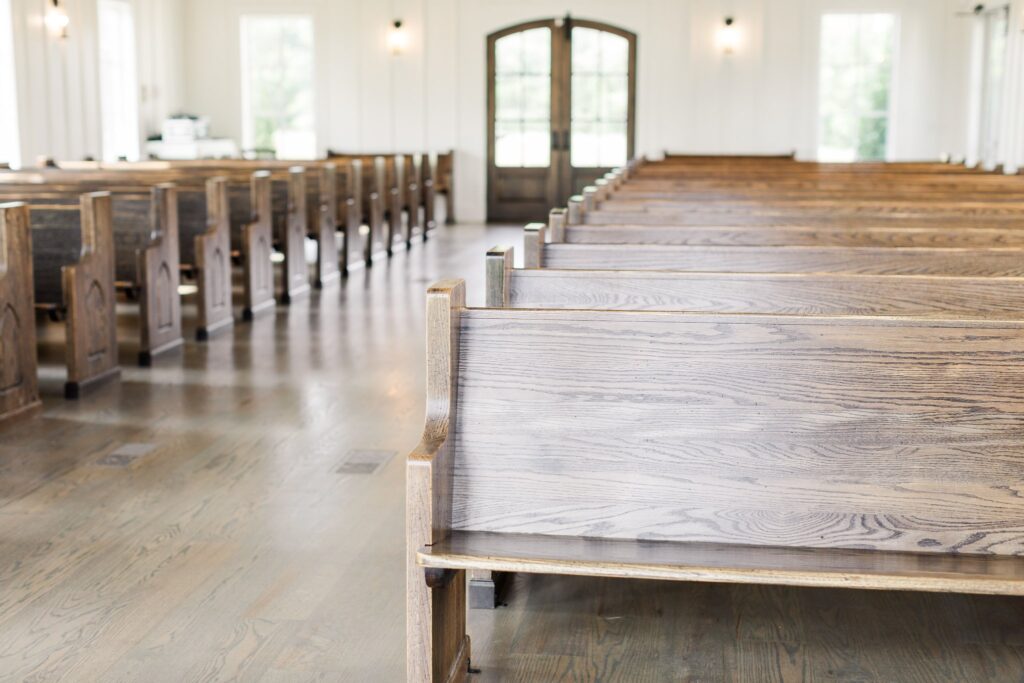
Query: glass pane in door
column 522, row 99
column 600, row 98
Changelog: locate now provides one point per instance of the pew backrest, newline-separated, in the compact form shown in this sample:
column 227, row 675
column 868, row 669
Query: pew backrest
column 788, row 431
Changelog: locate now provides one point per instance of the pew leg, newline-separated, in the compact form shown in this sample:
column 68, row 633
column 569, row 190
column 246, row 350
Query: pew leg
column 438, row 645
column 486, row 588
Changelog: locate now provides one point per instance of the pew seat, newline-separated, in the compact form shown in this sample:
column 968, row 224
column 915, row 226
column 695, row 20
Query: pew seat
column 726, row 563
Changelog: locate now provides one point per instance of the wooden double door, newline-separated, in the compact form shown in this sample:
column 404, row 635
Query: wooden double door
column 561, row 109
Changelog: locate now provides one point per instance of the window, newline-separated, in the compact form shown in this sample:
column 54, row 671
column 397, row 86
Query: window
column 855, row 84
column 522, row 99
column 996, row 27
column 600, row 98
column 278, row 101
column 10, row 150
column 119, row 87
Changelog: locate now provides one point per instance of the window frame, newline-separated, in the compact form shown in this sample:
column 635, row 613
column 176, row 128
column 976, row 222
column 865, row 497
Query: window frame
column 893, row 95
column 245, row 102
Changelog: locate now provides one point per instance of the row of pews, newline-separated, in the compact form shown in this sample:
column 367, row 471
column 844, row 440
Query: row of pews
column 747, row 370
column 76, row 237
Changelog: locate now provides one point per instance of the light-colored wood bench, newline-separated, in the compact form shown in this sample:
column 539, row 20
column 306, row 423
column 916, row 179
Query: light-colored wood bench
column 857, row 452
column 763, row 293
column 19, row 386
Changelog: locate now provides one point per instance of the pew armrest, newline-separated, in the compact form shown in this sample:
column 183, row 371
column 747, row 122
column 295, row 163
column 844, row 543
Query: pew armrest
column 724, row 563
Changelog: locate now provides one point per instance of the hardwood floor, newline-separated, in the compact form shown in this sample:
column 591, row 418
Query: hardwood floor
column 236, row 513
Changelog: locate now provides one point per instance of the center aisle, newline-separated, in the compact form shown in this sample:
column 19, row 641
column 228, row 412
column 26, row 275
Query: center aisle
column 238, row 512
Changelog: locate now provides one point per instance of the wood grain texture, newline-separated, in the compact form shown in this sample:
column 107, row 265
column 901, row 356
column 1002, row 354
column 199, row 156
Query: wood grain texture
column 213, row 262
column 19, row 387
column 89, row 298
column 800, row 294
column 438, row 647
column 1003, row 262
column 499, row 276
column 159, row 276
column 822, row 218
column 557, row 225
column 881, row 433
column 257, row 248
column 534, row 246
column 716, row 563
column 794, row 235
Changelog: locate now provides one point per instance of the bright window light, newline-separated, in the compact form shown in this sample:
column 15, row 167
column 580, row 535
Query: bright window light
column 855, row 86
column 119, row 85
column 278, row 86
column 10, row 149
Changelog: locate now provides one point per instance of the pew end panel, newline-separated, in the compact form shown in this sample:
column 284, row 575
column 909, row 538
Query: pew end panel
column 213, row 262
column 326, row 214
column 436, row 602
column 499, row 269
column 258, row 248
column 19, row 386
column 556, row 225
column 159, row 269
column 292, row 237
column 724, row 448
column 395, row 224
column 89, row 300
column 534, row 235
column 350, row 238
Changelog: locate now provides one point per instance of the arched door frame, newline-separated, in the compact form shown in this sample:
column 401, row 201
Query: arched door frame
column 543, row 191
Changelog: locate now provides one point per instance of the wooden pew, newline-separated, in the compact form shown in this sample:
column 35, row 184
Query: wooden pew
column 256, row 237
column 328, row 187
column 953, row 261
column 146, row 255
column 290, row 232
column 438, row 168
column 322, row 199
column 935, row 295
column 73, row 265
column 19, row 387
column 208, row 242
column 856, row 452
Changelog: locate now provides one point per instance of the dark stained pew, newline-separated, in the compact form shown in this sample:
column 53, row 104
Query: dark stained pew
column 73, row 264
column 19, row 388
column 147, row 259
column 206, row 238
column 856, row 452
column 438, row 168
column 146, row 256
column 324, row 210
column 252, row 226
column 289, row 194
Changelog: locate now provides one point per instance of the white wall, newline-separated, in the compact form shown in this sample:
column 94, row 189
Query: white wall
column 58, row 81
column 690, row 97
